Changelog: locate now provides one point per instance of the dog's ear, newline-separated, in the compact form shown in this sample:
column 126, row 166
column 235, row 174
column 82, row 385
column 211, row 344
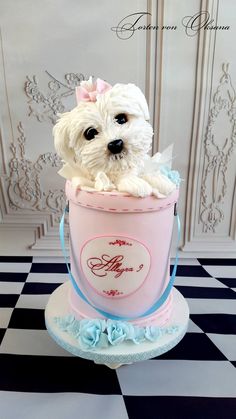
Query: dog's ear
column 141, row 100
column 61, row 132
column 130, row 98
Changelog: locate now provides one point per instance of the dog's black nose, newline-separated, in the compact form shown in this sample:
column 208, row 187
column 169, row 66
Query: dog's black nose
column 115, row 146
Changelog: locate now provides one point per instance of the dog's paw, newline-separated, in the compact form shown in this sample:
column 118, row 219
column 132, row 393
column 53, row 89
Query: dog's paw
column 103, row 183
column 79, row 182
column 162, row 186
column 134, row 186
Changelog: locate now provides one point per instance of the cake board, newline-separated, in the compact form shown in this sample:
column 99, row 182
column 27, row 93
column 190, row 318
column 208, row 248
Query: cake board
column 125, row 353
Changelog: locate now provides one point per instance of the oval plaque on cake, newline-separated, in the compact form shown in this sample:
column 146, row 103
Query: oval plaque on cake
column 115, row 266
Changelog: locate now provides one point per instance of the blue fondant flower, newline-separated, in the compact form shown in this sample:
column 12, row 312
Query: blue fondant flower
column 171, row 330
column 96, row 333
column 92, row 334
column 74, row 328
column 173, row 175
column 153, row 333
column 118, row 331
column 139, row 335
column 64, row 322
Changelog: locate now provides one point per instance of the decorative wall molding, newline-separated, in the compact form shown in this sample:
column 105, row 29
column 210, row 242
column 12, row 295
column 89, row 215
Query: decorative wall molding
column 218, row 151
column 24, row 186
column 28, row 205
column 207, row 229
column 45, row 106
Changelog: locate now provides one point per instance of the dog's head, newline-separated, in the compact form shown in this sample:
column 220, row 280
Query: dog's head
column 108, row 131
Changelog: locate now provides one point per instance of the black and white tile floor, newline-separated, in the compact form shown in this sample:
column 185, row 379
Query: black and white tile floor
column 195, row 380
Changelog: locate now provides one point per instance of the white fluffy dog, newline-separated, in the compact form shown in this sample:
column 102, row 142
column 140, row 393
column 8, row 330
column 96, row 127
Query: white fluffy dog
column 105, row 141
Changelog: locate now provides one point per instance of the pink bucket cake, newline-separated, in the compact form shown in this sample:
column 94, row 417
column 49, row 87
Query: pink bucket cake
column 119, row 249
column 121, row 205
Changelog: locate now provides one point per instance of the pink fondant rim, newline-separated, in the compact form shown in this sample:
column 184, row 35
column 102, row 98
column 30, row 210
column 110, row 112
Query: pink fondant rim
column 134, row 204
column 118, row 296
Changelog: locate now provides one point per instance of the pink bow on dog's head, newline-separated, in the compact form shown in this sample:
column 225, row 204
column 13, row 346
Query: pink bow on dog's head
column 88, row 91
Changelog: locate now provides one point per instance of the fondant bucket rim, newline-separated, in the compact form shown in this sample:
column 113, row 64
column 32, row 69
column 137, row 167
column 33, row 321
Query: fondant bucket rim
column 117, row 201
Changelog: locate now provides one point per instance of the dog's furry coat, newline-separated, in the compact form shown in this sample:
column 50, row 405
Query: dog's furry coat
column 90, row 164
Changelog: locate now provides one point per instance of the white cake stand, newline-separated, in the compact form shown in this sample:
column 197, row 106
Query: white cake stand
column 125, row 353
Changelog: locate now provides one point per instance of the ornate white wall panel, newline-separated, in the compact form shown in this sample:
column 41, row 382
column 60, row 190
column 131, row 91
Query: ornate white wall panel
column 210, row 210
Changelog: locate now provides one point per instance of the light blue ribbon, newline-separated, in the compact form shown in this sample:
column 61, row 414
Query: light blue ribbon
column 157, row 303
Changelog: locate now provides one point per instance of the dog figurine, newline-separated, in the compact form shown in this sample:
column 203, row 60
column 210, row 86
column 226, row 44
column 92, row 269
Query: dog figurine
column 105, row 140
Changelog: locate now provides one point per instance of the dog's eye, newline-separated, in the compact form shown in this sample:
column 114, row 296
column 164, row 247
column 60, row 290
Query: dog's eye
column 121, row 118
column 90, row 133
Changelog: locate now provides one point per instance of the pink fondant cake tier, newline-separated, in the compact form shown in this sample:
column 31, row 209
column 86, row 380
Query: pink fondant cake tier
column 119, row 247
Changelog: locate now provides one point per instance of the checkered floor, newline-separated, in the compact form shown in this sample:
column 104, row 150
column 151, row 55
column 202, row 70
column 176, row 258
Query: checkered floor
column 195, row 380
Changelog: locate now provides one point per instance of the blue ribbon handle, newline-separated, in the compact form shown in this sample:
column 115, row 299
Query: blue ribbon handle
column 157, row 303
